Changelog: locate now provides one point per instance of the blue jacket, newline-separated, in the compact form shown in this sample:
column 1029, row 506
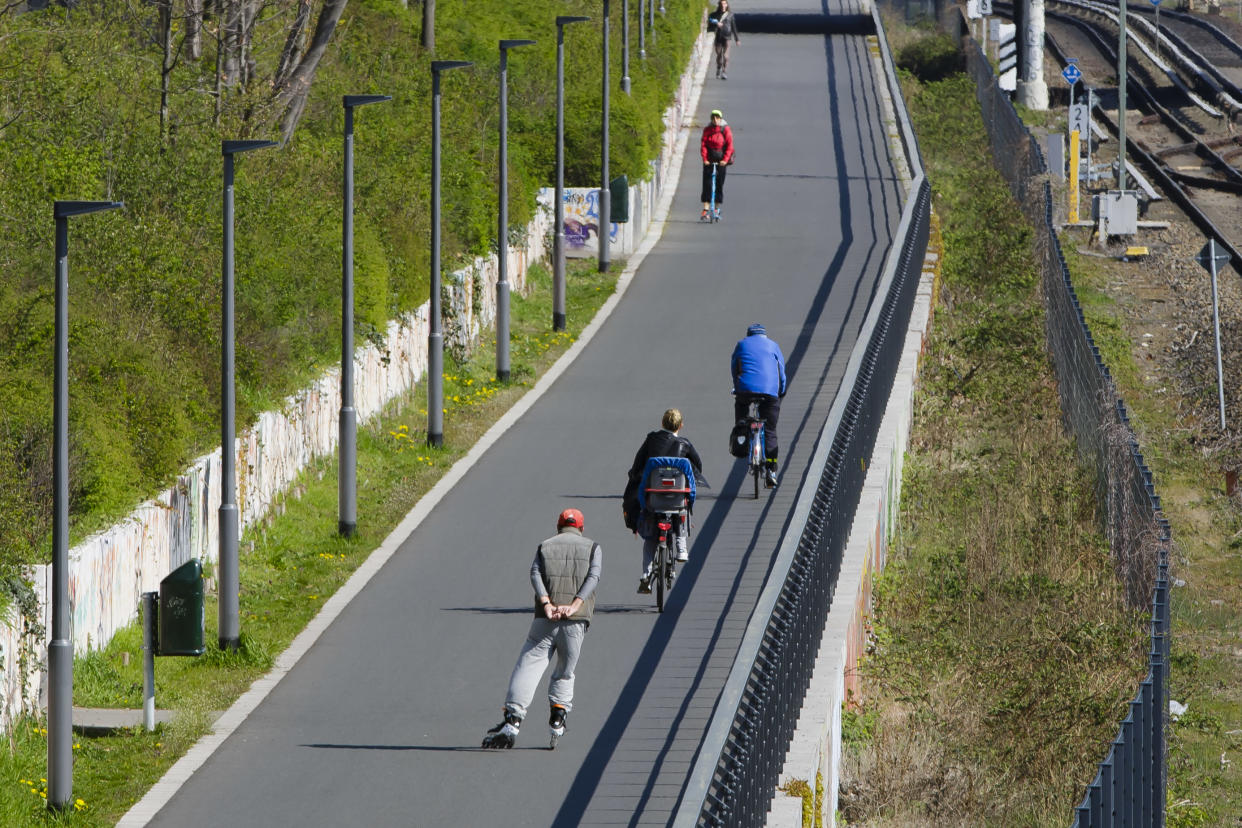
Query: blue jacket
column 758, row 366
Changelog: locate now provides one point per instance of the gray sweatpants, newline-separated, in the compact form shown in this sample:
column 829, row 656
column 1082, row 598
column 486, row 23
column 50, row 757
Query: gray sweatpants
column 564, row 638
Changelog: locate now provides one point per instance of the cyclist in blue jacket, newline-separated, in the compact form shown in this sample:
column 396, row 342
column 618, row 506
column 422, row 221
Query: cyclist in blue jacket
column 758, row 368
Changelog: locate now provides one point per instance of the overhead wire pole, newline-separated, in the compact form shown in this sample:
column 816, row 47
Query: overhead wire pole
column 1032, row 89
column 1121, row 97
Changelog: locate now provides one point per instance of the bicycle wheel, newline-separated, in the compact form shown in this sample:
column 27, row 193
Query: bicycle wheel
column 657, row 571
column 754, row 472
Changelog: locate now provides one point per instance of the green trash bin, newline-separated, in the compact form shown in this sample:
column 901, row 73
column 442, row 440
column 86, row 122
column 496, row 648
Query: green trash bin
column 181, row 614
column 619, row 201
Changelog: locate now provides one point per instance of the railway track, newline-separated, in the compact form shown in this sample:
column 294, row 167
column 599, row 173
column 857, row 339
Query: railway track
column 1182, row 103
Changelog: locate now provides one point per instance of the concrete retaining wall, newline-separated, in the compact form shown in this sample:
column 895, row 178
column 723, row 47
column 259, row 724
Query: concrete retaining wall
column 816, row 746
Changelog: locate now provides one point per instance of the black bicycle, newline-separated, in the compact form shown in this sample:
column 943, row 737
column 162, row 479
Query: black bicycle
column 668, row 501
column 756, row 450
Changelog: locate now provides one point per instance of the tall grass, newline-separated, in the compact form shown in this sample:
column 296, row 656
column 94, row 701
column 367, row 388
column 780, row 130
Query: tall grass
column 1004, row 654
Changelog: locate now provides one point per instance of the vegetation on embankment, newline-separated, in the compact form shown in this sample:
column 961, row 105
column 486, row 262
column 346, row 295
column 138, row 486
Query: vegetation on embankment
column 80, row 119
column 1004, row 653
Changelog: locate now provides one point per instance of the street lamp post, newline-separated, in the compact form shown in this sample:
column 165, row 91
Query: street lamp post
column 230, row 582
column 60, row 648
column 651, row 19
column 625, row 46
column 502, row 224
column 605, row 220
column 347, row 468
column 558, row 238
column 435, row 337
column 642, row 30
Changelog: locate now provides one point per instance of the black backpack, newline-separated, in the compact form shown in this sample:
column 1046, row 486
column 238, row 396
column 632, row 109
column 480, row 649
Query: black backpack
column 738, row 439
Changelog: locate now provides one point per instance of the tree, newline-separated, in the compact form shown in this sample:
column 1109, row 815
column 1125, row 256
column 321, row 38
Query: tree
column 292, row 83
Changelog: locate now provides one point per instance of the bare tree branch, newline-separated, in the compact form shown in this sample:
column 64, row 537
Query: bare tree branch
column 290, row 97
column 293, row 44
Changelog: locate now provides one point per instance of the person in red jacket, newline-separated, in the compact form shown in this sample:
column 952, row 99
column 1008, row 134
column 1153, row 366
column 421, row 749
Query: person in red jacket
column 716, row 149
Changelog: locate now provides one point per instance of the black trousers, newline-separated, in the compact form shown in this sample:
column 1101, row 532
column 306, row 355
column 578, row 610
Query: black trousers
column 769, row 410
column 707, row 184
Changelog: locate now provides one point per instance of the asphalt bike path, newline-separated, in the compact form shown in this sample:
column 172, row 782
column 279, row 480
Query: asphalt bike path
column 380, row 722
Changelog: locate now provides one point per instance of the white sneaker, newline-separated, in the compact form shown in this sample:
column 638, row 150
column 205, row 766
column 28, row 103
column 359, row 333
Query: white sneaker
column 682, row 556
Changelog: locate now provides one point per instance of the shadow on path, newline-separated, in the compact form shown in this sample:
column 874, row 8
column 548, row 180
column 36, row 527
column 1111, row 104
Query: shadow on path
column 429, row 748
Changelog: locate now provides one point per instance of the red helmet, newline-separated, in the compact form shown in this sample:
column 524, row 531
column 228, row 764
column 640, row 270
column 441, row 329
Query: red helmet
column 570, row 517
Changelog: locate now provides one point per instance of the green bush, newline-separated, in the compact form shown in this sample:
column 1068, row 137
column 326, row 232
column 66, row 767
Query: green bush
column 79, row 109
column 933, row 57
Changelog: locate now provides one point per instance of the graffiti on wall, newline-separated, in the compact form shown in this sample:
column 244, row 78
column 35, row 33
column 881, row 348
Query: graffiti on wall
column 582, row 219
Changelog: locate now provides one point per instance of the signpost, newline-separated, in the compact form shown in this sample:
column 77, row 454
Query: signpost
column 1074, row 163
column 1079, row 119
column 1073, row 75
column 1212, row 258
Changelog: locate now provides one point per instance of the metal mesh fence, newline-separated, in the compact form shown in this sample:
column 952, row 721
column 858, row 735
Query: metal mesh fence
column 1129, row 787
column 748, row 739
column 768, row 705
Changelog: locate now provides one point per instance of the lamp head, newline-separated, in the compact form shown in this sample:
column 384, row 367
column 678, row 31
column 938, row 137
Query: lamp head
column 506, row 45
column 438, row 66
column 362, row 100
column 234, row 147
column 66, row 209
column 565, row 20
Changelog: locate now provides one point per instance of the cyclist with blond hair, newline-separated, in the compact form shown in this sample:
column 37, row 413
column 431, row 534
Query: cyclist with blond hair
column 665, row 442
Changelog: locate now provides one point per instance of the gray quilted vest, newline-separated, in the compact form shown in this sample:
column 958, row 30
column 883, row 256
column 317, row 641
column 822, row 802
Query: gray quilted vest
column 566, row 562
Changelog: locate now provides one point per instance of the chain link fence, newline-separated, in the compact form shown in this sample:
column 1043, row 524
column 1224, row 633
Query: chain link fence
column 1129, row 787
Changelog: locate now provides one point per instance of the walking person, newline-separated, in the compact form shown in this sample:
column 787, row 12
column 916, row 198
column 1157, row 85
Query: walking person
column 716, row 148
column 564, row 575
column 758, row 369
column 726, row 36
column 666, row 442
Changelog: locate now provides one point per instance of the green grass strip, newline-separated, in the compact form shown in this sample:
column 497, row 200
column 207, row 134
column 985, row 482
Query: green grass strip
column 290, row 565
